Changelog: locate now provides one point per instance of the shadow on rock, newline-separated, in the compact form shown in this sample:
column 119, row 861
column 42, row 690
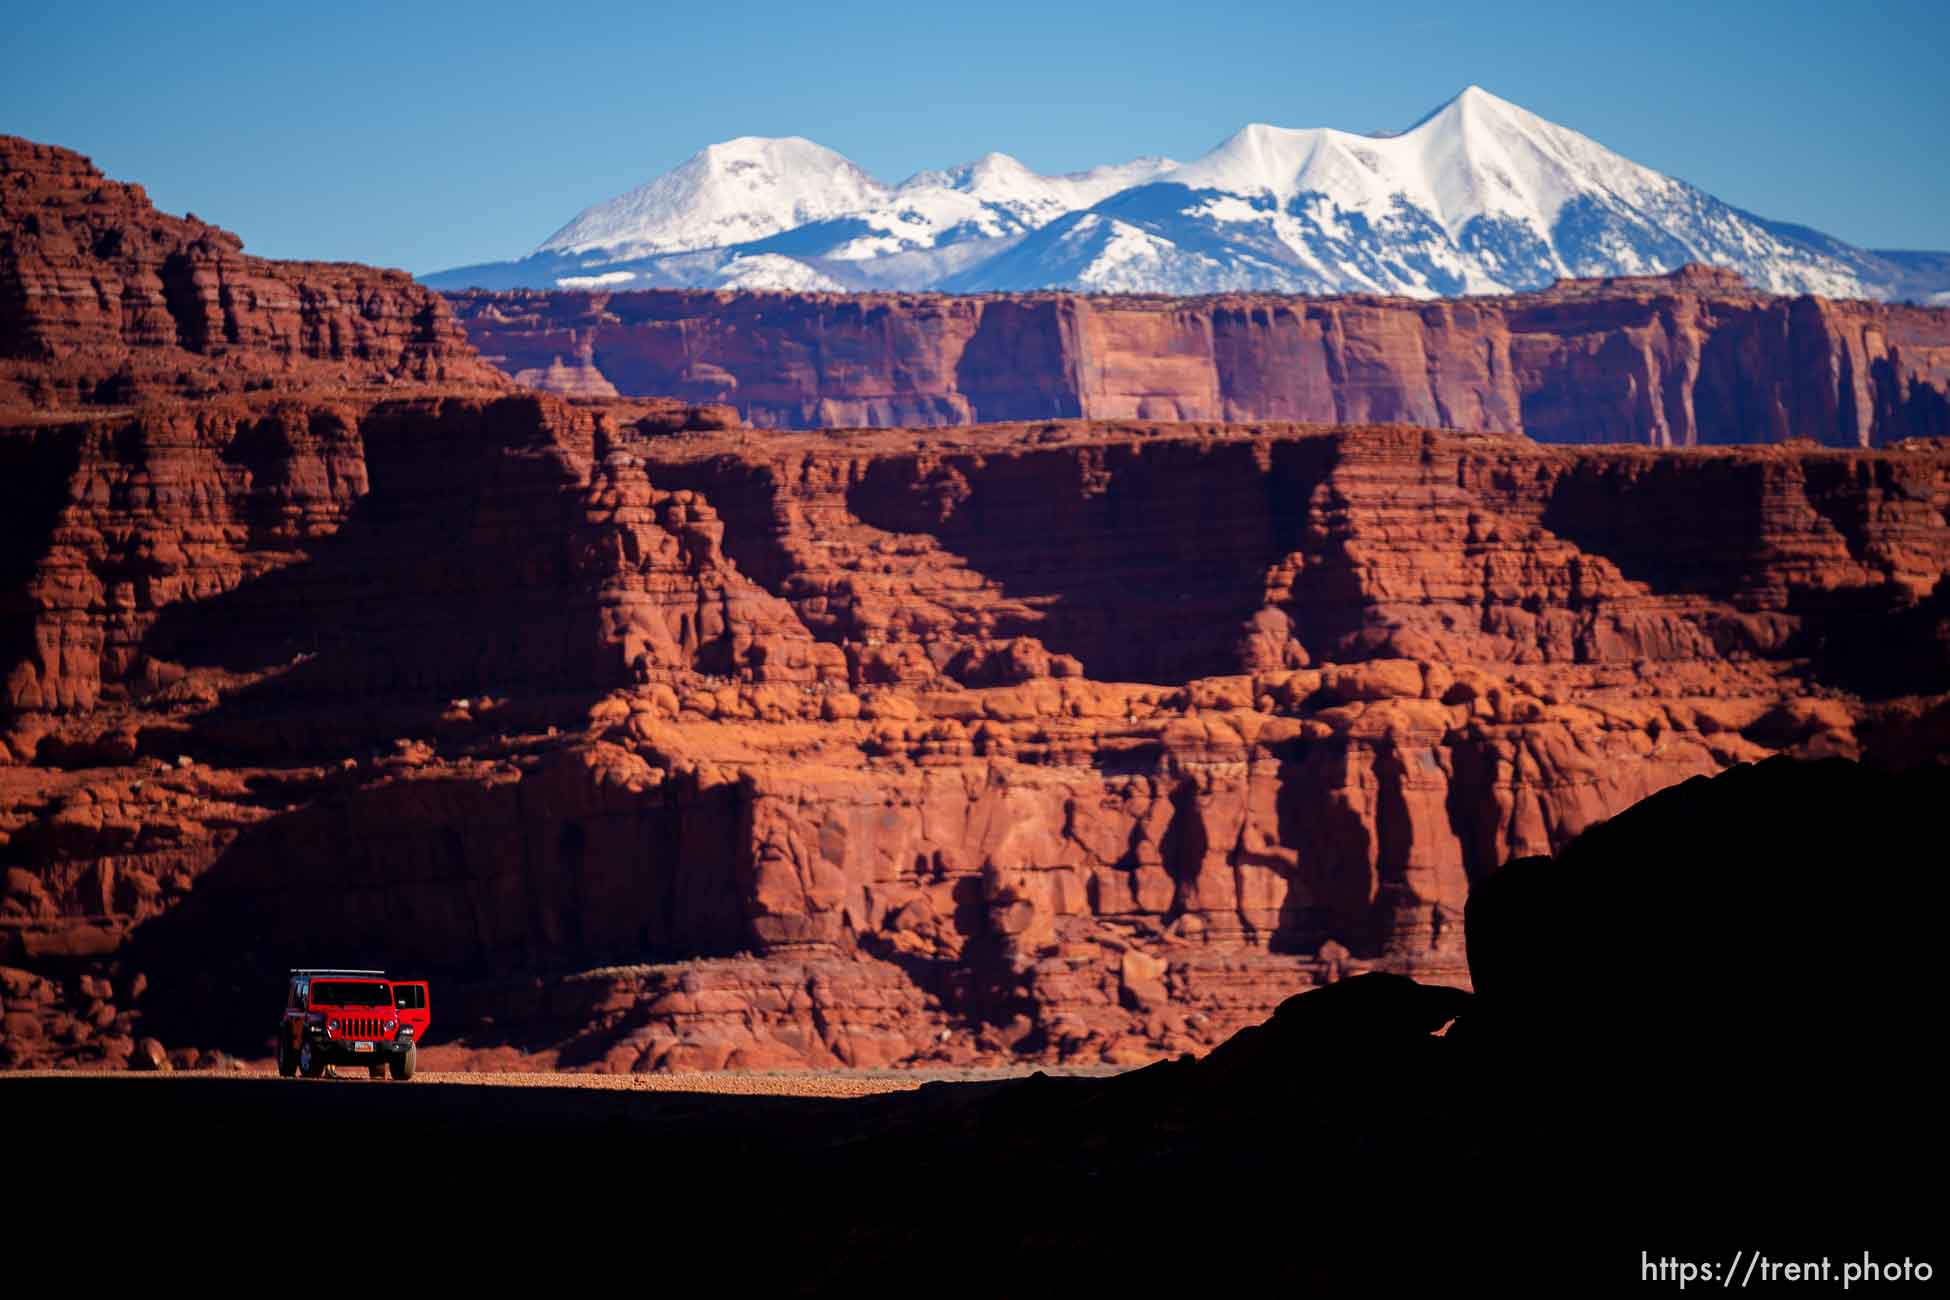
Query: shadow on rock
column 1705, row 1026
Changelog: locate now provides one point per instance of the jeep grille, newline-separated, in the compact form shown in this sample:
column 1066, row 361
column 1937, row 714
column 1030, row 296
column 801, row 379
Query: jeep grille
column 361, row 1027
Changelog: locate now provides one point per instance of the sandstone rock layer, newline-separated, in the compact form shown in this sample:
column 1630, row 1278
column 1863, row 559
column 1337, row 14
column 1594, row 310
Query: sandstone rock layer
column 1075, row 742
column 663, row 744
column 101, row 297
column 1691, row 358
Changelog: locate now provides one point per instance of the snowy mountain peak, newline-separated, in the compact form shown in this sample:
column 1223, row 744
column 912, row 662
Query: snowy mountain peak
column 990, row 169
column 991, row 172
column 999, row 178
column 1473, row 104
column 1256, row 159
column 1477, row 196
column 1470, row 96
column 727, row 193
column 1475, row 156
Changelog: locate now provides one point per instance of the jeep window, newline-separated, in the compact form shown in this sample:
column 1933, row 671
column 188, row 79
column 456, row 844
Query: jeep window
column 346, row 993
column 409, row 997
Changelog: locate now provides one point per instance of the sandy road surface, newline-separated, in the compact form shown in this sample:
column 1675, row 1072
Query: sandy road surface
column 781, row 1083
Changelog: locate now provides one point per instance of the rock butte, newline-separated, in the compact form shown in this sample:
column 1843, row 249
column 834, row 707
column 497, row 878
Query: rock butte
column 664, row 744
column 1688, row 358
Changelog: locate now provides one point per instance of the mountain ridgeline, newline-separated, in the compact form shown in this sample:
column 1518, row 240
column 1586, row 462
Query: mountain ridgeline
column 1480, row 196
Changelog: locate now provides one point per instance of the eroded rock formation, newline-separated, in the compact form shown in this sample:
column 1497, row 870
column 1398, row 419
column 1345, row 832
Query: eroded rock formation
column 1695, row 357
column 663, row 744
column 1080, row 742
column 101, row 296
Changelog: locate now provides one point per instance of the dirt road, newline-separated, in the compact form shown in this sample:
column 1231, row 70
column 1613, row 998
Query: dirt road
column 735, row 1083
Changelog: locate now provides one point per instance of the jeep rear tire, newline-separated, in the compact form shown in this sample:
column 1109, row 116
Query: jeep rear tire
column 287, row 1059
column 311, row 1062
column 405, row 1063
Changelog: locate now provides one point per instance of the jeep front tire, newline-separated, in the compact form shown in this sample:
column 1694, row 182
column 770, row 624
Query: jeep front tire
column 405, row 1063
column 311, row 1062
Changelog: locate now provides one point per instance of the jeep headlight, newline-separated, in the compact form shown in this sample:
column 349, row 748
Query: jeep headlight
column 391, row 1025
column 331, row 1026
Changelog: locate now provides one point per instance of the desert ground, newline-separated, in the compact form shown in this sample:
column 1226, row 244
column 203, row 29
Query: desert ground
column 733, row 1083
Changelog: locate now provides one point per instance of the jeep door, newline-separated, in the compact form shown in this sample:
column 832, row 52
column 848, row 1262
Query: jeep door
column 295, row 1006
column 415, row 1009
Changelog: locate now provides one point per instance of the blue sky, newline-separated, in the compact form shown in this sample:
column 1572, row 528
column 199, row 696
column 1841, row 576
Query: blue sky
column 428, row 135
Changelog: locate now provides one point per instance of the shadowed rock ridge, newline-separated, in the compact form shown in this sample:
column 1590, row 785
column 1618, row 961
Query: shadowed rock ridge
column 1706, row 1025
column 1646, row 1085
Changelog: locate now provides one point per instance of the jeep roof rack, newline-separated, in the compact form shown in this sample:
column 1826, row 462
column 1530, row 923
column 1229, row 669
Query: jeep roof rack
column 333, row 970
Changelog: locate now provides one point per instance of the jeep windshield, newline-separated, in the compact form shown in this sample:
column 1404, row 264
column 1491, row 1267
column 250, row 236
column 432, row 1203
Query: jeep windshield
column 346, row 993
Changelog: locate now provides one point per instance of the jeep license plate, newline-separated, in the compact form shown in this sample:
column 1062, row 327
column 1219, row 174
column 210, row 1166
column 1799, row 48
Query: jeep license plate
column 362, row 1047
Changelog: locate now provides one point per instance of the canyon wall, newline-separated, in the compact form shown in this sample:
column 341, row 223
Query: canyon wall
column 1073, row 742
column 101, row 296
column 1691, row 358
column 660, row 743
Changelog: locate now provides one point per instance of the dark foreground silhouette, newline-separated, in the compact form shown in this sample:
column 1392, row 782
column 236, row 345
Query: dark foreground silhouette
column 1709, row 1026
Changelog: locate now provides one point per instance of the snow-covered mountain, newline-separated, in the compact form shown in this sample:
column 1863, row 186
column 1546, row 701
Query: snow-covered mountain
column 756, row 213
column 1480, row 196
column 728, row 194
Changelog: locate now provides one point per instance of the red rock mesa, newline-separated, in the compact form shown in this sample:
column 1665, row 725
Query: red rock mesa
column 1689, row 358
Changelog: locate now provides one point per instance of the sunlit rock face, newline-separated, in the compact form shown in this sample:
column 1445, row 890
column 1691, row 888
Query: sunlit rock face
column 1691, row 358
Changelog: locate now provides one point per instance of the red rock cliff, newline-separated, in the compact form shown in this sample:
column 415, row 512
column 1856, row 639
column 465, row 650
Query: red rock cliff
column 667, row 745
column 1690, row 358
column 1085, row 742
column 101, row 297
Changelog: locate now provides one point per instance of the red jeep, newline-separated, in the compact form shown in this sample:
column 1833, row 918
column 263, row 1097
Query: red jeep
column 351, row 1017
